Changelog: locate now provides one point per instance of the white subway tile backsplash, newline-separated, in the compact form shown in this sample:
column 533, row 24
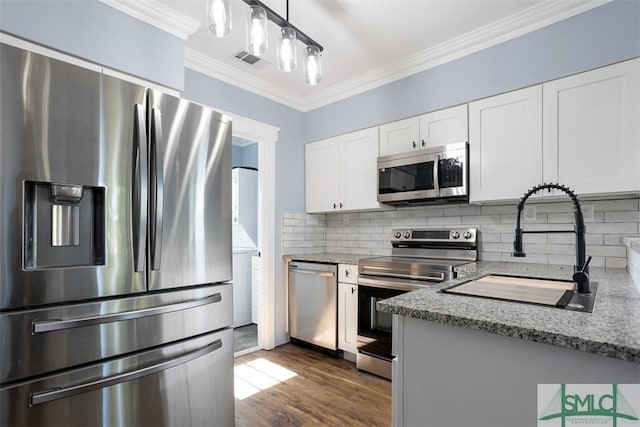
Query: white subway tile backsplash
column 368, row 233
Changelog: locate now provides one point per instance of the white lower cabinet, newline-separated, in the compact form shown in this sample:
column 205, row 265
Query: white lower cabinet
column 341, row 173
column 347, row 308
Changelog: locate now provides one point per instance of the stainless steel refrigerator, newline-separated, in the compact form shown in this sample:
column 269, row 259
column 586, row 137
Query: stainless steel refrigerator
column 115, row 251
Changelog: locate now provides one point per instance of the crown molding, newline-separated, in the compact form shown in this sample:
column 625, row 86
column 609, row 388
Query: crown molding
column 221, row 71
column 155, row 13
column 531, row 19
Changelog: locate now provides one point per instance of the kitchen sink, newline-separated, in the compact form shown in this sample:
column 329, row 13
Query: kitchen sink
column 528, row 290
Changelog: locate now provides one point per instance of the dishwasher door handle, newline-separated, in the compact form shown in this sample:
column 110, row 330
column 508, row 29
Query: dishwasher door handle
column 295, row 269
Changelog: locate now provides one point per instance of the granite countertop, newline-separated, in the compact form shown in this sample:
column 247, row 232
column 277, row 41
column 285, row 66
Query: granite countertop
column 328, row 257
column 612, row 329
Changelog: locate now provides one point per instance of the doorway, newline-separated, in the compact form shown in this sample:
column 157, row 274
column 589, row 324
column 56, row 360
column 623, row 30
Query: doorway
column 246, row 257
column 264, row 269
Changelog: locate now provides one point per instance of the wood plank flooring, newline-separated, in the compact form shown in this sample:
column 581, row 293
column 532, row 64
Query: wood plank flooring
column 325, row 391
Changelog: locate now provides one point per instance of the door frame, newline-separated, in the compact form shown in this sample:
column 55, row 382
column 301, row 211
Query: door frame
column 266, row 136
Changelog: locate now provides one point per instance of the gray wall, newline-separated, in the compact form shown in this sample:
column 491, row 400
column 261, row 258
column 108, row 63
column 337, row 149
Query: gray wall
column 598, row 37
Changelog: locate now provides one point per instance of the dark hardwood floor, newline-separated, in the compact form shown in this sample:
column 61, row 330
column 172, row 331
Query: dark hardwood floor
column 324, row 391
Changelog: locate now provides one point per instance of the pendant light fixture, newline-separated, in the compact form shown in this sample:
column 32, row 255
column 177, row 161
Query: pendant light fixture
column 219, row 17
column 257, row 36
column 287, row 57
column 312, row 65
column 219, row 24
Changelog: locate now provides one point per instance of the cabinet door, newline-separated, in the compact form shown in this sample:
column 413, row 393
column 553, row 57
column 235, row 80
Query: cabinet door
column 321, row 173
column 347, row 317
column 400, row 136
column 358, row 170
column 592, row 130
column 443, row 127
column 505, row 145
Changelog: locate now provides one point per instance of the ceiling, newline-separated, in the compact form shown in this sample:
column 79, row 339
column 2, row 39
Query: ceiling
column 367, row 43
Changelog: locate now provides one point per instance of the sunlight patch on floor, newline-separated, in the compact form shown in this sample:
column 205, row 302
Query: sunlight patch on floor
column 259, row 374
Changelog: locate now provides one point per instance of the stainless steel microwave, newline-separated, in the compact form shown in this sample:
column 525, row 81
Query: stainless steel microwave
column 432, row 175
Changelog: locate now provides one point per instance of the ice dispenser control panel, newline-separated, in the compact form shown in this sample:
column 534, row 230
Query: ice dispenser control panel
column 63, row 225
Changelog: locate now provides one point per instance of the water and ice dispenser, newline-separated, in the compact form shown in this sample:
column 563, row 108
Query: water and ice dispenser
column 64, row 225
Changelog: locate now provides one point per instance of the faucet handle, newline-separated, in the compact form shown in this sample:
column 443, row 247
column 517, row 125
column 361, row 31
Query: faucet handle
column 581, row 278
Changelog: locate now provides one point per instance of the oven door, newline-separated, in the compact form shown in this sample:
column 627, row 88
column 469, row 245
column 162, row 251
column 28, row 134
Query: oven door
column 408, row 176
column 374, row 331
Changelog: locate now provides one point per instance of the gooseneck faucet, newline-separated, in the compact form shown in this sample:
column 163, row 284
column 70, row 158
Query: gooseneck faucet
column 581, row 268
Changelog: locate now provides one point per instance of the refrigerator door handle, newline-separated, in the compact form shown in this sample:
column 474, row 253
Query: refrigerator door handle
column 140, row 185
column 157, row 189
column 44, row 396
column 57, row 324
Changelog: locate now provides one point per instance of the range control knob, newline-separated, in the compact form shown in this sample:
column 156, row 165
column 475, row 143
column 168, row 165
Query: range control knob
column 467, row 235
column 397, row 234
column 407, row 234
column 455, row 235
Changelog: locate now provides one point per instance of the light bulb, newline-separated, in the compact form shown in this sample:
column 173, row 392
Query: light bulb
column 312, row 65
column 287, row 58
column 257, row 31
column 219, row 17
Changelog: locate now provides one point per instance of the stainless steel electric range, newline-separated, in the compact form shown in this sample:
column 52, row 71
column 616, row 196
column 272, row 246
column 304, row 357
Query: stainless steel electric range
column 420, row 257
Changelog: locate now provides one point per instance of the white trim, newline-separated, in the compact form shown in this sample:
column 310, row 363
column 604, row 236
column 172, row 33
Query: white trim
column 157, row 14
column 531, row 19
column 221, row 71
column 266, row 136
column 534, row 18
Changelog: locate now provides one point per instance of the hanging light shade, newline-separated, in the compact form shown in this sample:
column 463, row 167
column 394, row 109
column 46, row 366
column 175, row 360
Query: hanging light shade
column 257, row 31
column 219, row 17
column 312, row 65
column 287, row 57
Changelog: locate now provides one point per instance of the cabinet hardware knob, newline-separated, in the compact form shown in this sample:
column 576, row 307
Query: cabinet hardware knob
column 334, row 206
column 346, row 273
column 353, row 290
column 423, row 144
column 341, row 205
column 414, row 144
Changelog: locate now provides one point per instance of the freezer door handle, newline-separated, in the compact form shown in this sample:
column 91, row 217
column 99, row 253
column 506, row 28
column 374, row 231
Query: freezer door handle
column 157, row 189
column 139, row 203
column 45, row 396
column 58, row 324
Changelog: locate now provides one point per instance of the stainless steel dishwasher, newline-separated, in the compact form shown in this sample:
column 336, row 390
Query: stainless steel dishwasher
column 313, row 303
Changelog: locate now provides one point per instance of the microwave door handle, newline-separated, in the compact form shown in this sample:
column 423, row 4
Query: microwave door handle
column 436, row 173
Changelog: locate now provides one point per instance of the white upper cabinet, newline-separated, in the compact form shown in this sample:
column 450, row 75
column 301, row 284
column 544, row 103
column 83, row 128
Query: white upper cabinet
column 582, row 131
column 359, row 173
column 341, row 172
column 400, row 136
column 505, row 145
column 321, row 172
column 592, row 130
column 443, row 127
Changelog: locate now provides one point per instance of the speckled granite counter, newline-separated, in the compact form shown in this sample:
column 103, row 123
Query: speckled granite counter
column 327, row 257
column 613, row 329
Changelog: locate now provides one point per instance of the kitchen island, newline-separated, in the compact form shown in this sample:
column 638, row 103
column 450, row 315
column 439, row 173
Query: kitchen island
column 468, row 361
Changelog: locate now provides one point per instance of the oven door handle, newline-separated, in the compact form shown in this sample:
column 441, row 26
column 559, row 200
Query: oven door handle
column 399, row 284
column 439, row 277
